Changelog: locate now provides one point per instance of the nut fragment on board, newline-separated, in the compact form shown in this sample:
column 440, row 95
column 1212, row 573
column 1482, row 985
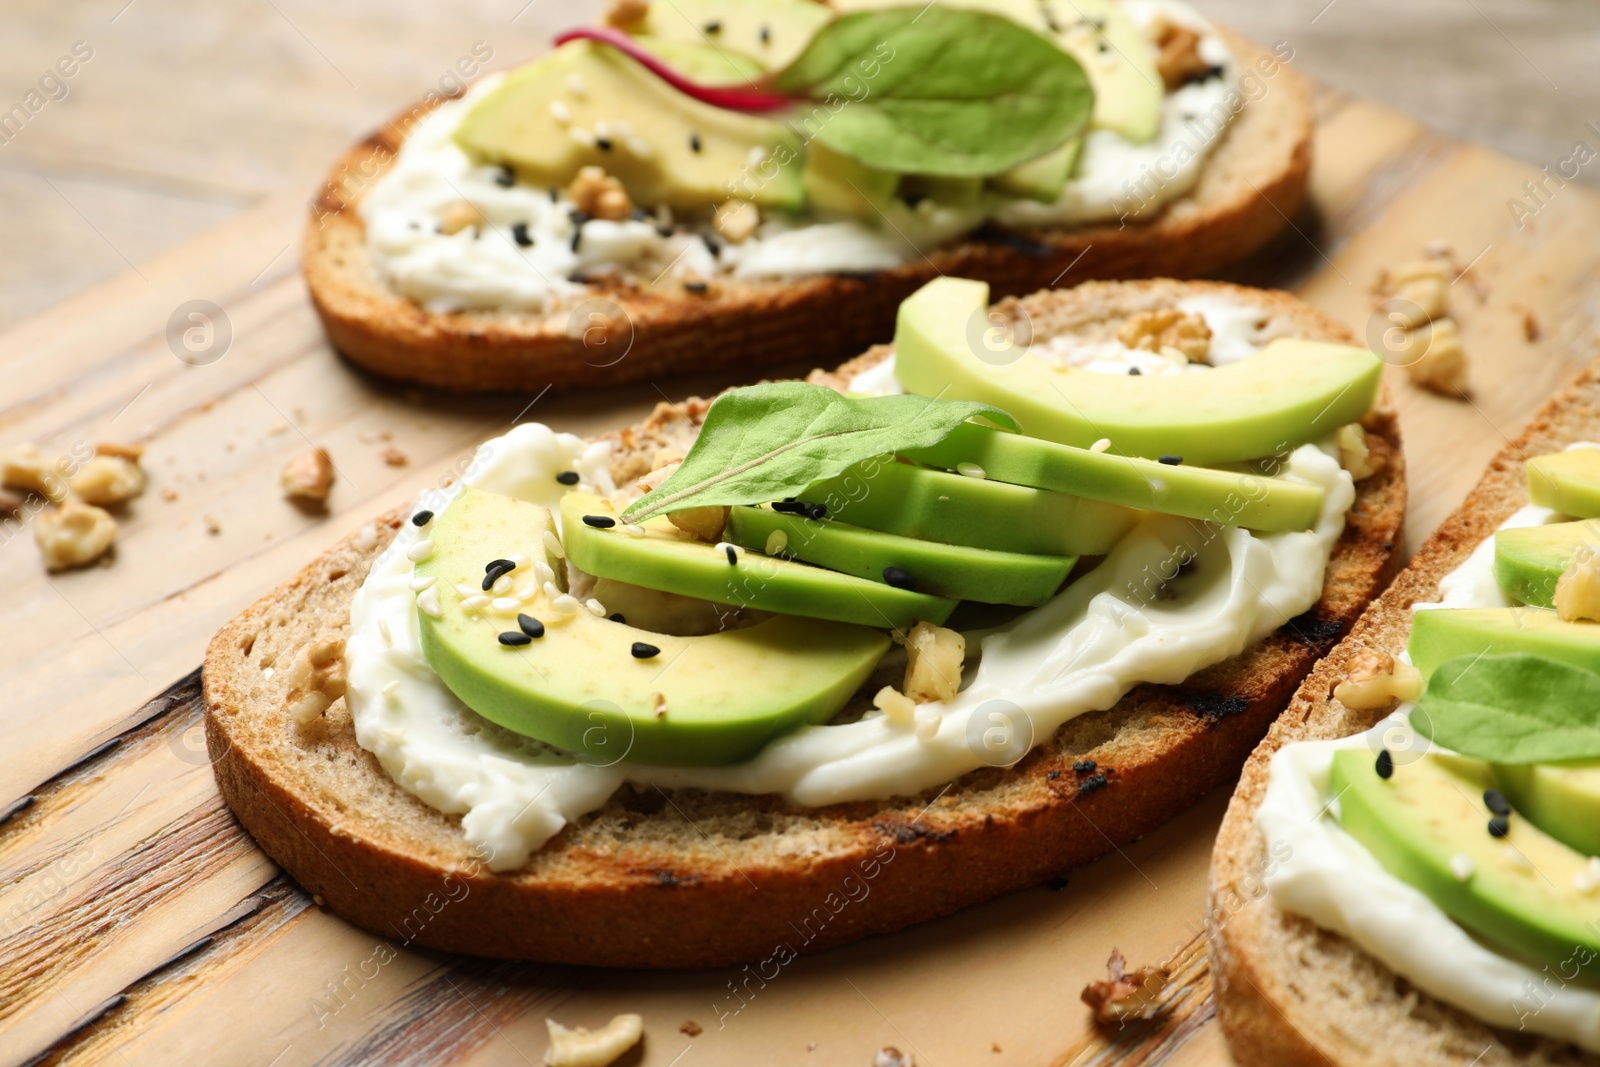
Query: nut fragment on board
column 308, row 476
column 73, row 535
column 107, row 479
column 23, row 468
column 577, row 1047
column 1123, row 994
column 1443, row 366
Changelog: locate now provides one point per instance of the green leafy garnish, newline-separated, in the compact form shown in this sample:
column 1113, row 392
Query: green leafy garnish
column 936, row 90
column 1512, row 708
column 766, row 442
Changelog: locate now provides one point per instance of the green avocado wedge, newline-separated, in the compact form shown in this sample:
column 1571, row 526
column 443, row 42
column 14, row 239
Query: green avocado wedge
column 1285, row 395
column 1562, row 799
column 1439, row 635
column 1429, row 820
column 1567, row 482
column 977, row 574
column 771, row 32
column 1528, row 560
column 581, row 685
column 899, row 498
column 662, row 557
column 1229, row 498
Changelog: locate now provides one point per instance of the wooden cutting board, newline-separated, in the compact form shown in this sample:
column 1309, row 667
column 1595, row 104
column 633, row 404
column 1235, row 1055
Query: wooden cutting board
column 138, row 921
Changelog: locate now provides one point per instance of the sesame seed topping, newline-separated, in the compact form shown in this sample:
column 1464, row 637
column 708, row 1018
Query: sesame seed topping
column 1499, row 826
column 422, row 518
column 970, row 470
column 1101, row 445
column 383, row 632
column 552, row 544
column 1171, row 461
column 777, row 541
column 494, row 570
column 502, row 585
column 788, row 507
column 542, row 572
column 1384, row 765
column 599, row 522
column 1135, row 371
column 575, row 84
column 633, row 529
column 566, row 603
column 514, row 638
column 816, row 511
column 428, row 603
column 897, row 577
column 552, row 592
column 560, row 112
column 474, row 603
column 1461, row 866
column 731, row 553
column 595, row 607
column 506, row 178
column 616, row 616
column 420, row 550
column 641, row 650
column 419, row 584
column 603, row 143
column 1496, row 802
column 695, row 287
column 1083, row 766
column 581, row 135
column 713, row 28
column 694, row 143
column 766, row 35
column 505, row 605
column 567, row 477
column 519, row 234
column 530, row 626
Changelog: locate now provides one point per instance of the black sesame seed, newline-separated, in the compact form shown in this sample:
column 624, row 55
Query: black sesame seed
column 766, row 35
column 599, row 522
column 816, row 511
column 1083, row 766
column 422, row 518
column 616, row 616
column 507, row 177
column 1135, row 371
column 530, row 626
column 788, row 507
column 579, row 217
column 713, row 28
column 695, row 287
column 555, row 194
column 1499, row 826
column 577, row 237
column 519, row 234
column 1385, row 764
column 733, row 557
column 603, row 143
column 641, row 650
column 495, row 571
column 1496, row 802
column 1171, row 461
column 1104, row 48
column 712, row 244
column 513, row 638
column 663, row 231
column 1091, row 784
column 694, row 142
column 897, row 577
column 1052, row 775
column 567, row 477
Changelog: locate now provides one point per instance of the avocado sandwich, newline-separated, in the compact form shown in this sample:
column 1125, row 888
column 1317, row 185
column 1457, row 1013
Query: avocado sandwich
column 969, row 610
column 1408, row 871
column 713, row 183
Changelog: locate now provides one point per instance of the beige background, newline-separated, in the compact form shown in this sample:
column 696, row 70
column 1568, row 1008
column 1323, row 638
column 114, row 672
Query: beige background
column 189, row 112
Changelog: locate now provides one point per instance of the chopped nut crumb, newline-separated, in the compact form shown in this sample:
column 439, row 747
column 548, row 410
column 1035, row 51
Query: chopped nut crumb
column 394, row 457
column 1530, row 328
column 1179, row 59
column 578, row 1047
column 1443, row 366
column 889, row 1056
column 169, row 494
column 213, row 525
column 625, row 13
column 460, row 216
column 22, row 467
column 706, row 523
column 1377, row 680
column 9, row 505
column 1425, row 283
column 933, row 662
column 1125, row 994
column 1164, row 328
column 308, row 476
column 736, row 219
column 131, row 452
column 316, row 679
column 599, row 195
column 106, row 479
column 1354, row 455
column 895, row 705
column 73, row 534
column 1578, row 588
column 654, row 478
column 278, row 426
column 692, row 1028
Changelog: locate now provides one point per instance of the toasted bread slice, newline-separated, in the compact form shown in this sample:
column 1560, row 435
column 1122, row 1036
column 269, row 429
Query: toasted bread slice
column 1288, row 991
column 688, row 878
column 1253, row 182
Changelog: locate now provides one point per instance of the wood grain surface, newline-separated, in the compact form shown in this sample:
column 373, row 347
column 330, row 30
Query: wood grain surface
column 139, row 925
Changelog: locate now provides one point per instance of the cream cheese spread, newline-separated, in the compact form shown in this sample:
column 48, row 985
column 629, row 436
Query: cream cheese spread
column 530, row 256
column 1327, row 876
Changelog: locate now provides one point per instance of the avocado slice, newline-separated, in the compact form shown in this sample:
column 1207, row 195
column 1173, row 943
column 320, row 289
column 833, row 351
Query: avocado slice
column 978, row 574
column 1290, row 392
column 836, row 184
column 663, row 558
column 1519, row 892
column 1528, row 560
column 955, row 192
column 1562, row 799
column 952, row 509
column 665, row 147
column 1439, row 635
column 699, row 63
column 771, row 32
column 1230, row 498
column 1567, row 482
column 1041, row 179
column 580, row 686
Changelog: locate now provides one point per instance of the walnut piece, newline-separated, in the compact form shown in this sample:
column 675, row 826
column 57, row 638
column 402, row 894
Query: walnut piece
column 1354, row 455
column 1164, row 328
column 23, row 468
column 308, row 476
column 625, row 13
column 889, row 1056
column 933, row 662
column 577, row 1047
column 131, row 452
column 736, row 219
column 1123, row 994
column 316, row 679
column 895, row 705
column 1443, row 366
column 1425, row 283
column 1377, row 680
column 1578, row 588
column 706, row 523
column 73, row 534
column 460, row 216
column 107, row 480
column 1179, row 59
column 599, row 195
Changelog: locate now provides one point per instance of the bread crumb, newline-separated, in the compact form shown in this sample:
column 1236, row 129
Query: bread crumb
column 692, row 1028
column 169, row 494
column 9, row 505
column 1530, row 328
column 308, row 476
column 213, row 525
column 1123, row 994
column 394, row 457
column 1354, row 455
column 371, row 437
column 706, row 524
column 131, row 452
column 316, row 679
column 278, row 426
column 73, row 535
column 578, row 1047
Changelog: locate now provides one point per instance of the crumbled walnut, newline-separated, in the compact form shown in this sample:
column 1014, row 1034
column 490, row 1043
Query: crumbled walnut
column 460, row 216
column 889, row 1056
column 736, row 219
column 1123, row 994
column 213, row 524
column 1578, row 588
column 578, row 1047
column 308, row 476
column 9, row 505
column 625, row 13
column 599, row 195
column 895, row 705
column 933, row 662
column 706, row 523
column 73, row 534
column 1531, row 331
column 653, row 478
column 1377, row 680
column 1179, row 60
column 1163, row 328
column 316, row 679
column 394, row 457
column 1425, row 283
column 1354, row 455
column 1443, row 366
column 22, row 467
column 691, row 1028
column 107, row 480
column 131, row 452
column 667, row 457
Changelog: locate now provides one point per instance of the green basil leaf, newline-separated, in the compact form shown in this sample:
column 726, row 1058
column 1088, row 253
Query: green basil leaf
column 936, row 90
column 766, row 442
column 1512, row 708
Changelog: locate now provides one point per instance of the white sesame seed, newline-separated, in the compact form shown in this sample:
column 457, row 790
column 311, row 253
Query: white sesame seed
column 552, row 592
column 542, row 572
column 267, row 673
column 640, row 147
column 420, row 550
column 464, row 590
column 602, row 128
column 1461, row 866
column 1516, row 858
column 581, row 135
column 1583, row 883
column 1100, row 445
column 476, row 602
column 428, row 603
column 755, row 157
column 526, row 592
column 383, row 632
column 634, row 529
column 518, row 560
column 777, row 541
column 566, row 603
column 389, row 689
column 419, row 584
column 501, row 586
column 623, row 127
column 560, row 112
column 505, row 605
column 928, row 722
column 723, row 547
column 596, row 607
column 575, row 85
column 971, row 470
column 552, row 545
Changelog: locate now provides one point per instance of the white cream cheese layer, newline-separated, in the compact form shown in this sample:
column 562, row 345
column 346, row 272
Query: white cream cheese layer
column 541, row 270
column 1327, row 876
